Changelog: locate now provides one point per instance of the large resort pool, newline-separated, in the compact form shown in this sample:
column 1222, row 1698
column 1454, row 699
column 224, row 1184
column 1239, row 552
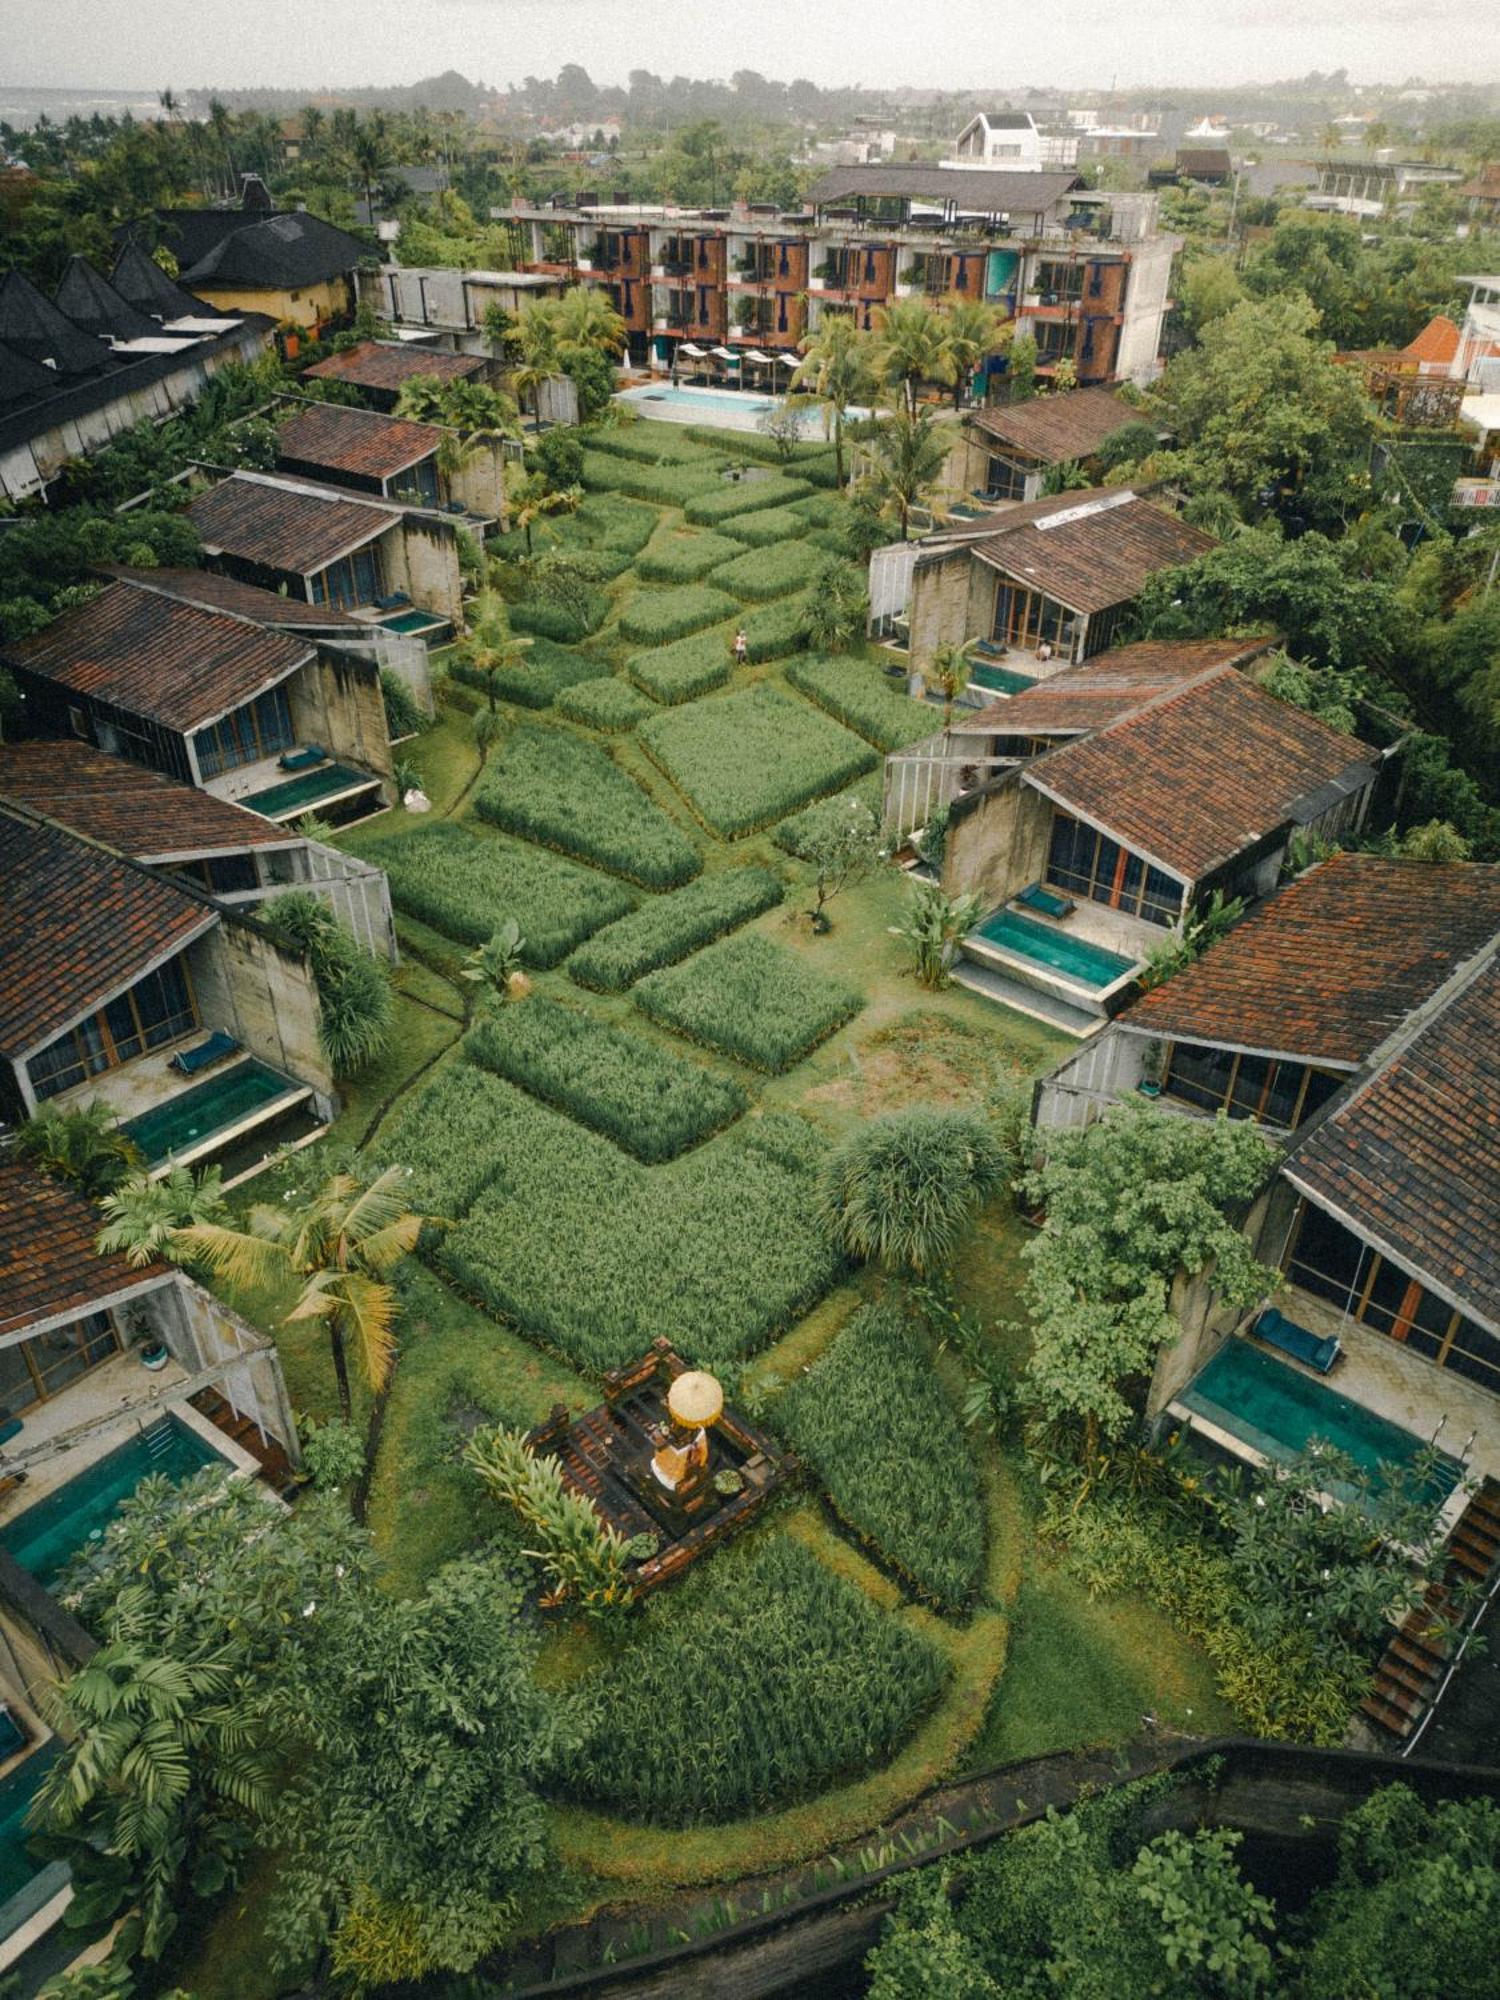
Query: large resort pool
column 724, row 409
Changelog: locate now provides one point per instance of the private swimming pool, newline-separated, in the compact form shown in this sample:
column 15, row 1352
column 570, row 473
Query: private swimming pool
column 1074, row 957
column 197, row 1115
column 310, row 788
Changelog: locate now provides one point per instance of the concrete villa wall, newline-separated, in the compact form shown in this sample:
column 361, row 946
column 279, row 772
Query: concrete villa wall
column 997, row 841
column 1082, row 1088
column 952, row 600
column 265, row 997
column 336, row 702
column 480, row 482
column 420, row 556
column 1205, row 1320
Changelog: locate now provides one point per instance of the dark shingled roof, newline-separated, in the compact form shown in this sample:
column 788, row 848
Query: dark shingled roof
column 1053, row 428
column 158, row 658
column 48, row 1264
column 33, row 326
column 77, row 925
column 1101, row 690
column 280, row 526
column 1201, row 773
column 1411, row 1158
column 1332, row 964
column 276, row 253
column 142, row 813
column 93, row 304
column 23, row 380
column 141, row 281
column 390, row 365
column 212, row 592
column 975, row 190
column 1096, row 554
column 1204, row 162
column 355, row 441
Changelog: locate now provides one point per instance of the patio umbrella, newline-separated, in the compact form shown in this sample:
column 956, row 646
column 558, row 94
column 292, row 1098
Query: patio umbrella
column 724, row 353
column 694, row 353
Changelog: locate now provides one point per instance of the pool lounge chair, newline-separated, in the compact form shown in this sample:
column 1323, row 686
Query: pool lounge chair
column 392, row 603
column 990, row 649
column 188, row 1062
column 304, row 759
column 1044, row 902
column 1313, row 1350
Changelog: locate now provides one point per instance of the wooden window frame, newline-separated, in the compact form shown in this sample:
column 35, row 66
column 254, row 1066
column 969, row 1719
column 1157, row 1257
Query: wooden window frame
column 108, row 1043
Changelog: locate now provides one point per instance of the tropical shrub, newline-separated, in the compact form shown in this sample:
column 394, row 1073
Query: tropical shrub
column 709, row 509
column 751, row 998
column 761, row 530
column 800, row 834
column 584, row 1558
column 463, row 885
column 667, row 928
column 355, row 1003
column 748, row 759
column 653, row 1103
column 873, row 1422
column 607, row 704
column 550, row 786
column 538, row 676
column 840, row 608
column 549, row 619
column 857, row 694
column 686, row 669
column 762, row 1678
column 83, row 1144
column 658, row 616
column 685, row 558
column 934, row 928
column 776, row 570
column 900, row 1189
column 402, row 715
column 773, row 630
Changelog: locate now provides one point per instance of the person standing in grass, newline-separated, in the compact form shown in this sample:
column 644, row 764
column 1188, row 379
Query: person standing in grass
column 741, row 647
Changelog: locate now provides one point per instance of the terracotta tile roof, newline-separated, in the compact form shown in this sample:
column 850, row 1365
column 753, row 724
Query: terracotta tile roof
column 48, row 1264
column 1485, row 185
column 357, row 441
column 1097, row 553
column 1101, row 690
column 279, row 525
column 212, row 592
column 1331, row 964
column 1053, row 428
column 142, row 813
column 77, row 924
column 389, row 365
column 1437, row 342
column 157, row 658
column 1411, row 1158
column 1198, row 775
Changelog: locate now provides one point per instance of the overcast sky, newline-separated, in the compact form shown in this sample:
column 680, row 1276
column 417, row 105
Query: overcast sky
column 103, row 44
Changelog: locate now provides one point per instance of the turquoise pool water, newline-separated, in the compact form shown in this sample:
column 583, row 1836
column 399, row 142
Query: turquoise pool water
column 999, row 680
column 1280, row 1411
column 1074, row 957
column 726, row 409
column 306, row 790
column 413, row 621
column 17, row 1789
column 47, row 1537
column 205, row 1109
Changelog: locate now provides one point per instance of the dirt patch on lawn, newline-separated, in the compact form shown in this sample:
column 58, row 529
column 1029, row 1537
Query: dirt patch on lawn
column 926, row 1057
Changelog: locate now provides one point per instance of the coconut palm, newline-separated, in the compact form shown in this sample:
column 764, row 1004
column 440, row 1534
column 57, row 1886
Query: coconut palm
column 907, row 454
column 947, row 674
column 143, row 1215
column 900, row 1189
column 539, row 338
column 585, row 318
column 909, row 348
column 491, row 647
column 369, row 152
column 531, row 499
column 84, row 1145
column 835, row 370
column 341, row 1243
column 972, row 331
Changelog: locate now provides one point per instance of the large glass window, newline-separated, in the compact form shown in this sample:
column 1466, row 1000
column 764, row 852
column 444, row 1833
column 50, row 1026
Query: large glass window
column 1088, row 863
column 36, row 1369
column 352, row 580
column 419, row 482
column 1247, row 1086
column 157, row 1009
column 262, row 728
column 1006, row 481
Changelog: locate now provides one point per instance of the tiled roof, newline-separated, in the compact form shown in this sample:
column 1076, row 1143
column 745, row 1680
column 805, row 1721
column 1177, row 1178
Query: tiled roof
column 388, row 364
column 976, row 190
column 1330, row 965
column 1103, row 556
column 1196, row 161
column 212, row 592
column 1101, row 690
column 1437, row 342
column 278, row 525
column 1200, row 774
column 355, row 441
column 48, row 1264
column 1053, row 428
column 140, row 812
column 1412, row 1157
column 76, row 925
column 158, row 658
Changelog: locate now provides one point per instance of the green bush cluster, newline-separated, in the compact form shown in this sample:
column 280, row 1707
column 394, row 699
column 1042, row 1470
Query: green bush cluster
column 747, row 759
column 857, row 694
column 708, row 509
column 607, row 704
column 603, row 524
column 760, row 530
column 776, row 571
column 657, row 617
column 873, row 1422
column 538, row 677
column 821, row 468
column 798, row 834
column 597, row 1255
column 820, row 510
column 760, row 1679
column 651, row 1102
column 773, row 630
column 682, row 671
column 664, row 485
column 562, row 622
column 685, row 558
column 667, row 928
column 450, row 1137
column 656, row 444
column 466, row 884
column 551, row 786
column 750, row 998
column 750, row 445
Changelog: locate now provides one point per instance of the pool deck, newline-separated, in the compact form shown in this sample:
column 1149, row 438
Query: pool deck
column 1049, row 993
column 241, row 784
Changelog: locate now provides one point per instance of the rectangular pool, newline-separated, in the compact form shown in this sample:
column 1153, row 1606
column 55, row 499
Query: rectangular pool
column 1074, row 957
column 725, row 409
column 47, row 1537
column 1279, row 1411
column 306, row 790
column 411, row 622
column 998, row 680
column 188, row 1120
column 17, row 1789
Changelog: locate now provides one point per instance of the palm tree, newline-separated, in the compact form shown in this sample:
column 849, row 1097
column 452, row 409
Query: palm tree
column 312, row 129
column 84, row 1146
column 908, row 348
column 369, row 150
column 585, row 318
column 947, row 674
column 906, row 455
column 540, row 341
column 530, row 499
column 492, row 647
column 218, row 118
column 972, row 331
column 835, row 369
column 144, row 1215
column 171, row 109
column 341, row 1243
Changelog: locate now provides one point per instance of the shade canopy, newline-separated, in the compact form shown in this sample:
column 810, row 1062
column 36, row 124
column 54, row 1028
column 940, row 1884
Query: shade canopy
column 695, row 1400
column 697, row 353
column 754, row 354
column 790, row 360
column 724, row 353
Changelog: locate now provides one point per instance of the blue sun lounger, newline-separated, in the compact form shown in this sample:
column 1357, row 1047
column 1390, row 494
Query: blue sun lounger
column 1313, row 1350
column 188, row 1062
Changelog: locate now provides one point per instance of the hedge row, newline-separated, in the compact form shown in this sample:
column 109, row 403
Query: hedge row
column 607, row 704
column 665, row 485
column 656, row 617
column 752, row 445
column 466, row 884
column 857, row 694
column 603, row 523
column 560, row 622
column 544, row 670
column 822, row 469
column 708, row 509
column 775, row 630
column 450, row 1137
column 685, row 558
column 752, row 999
column 759, row 530
column 653, row 1103
column 667, row 928
column 747, row 759
column 770, row 572
column 683, row 671
column 551, row 786
column 795, row 835
column 822, row 510
column 646, row 443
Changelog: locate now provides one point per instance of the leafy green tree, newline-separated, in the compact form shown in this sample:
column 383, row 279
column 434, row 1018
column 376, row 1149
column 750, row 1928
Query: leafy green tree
column 909, row 347
column 83, row 1145
column 1210, row 288
column 922, row 1952
column 901, row 1189
column 842, row 847
column 907, row 455
column 532, row 498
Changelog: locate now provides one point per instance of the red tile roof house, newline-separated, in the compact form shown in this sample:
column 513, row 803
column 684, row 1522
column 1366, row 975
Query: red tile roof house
column 1005, row 453
column 392, row 458
column 212, row 693
column 1100, row 807
column 381, row 369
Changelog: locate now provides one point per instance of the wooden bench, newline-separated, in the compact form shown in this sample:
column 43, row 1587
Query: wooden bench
column 1313, row 1350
